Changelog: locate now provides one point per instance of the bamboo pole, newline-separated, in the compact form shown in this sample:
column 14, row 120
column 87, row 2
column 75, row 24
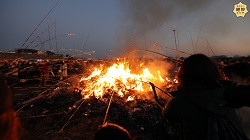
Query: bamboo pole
column 106, row 114
column 40, row 23
column 61, row 130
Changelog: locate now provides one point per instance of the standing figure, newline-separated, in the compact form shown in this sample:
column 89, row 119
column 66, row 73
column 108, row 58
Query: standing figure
column 199, row 95
column 44, row 69
column 64, row 69
column 240, row 74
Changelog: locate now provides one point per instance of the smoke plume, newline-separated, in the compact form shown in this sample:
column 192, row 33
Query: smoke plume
column 143, row 17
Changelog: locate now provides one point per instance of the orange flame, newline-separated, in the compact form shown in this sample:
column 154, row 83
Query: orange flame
column 119, row 79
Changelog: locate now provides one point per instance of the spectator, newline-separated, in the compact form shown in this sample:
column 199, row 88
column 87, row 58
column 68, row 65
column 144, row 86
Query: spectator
column 240, row 96
column 10, row 127
column 199, row 92
column 239, row 73
column 110, row 131
column 44, row 70
column 237, row 94
column 64, row 69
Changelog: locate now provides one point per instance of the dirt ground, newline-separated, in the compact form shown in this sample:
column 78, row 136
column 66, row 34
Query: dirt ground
column 58, row 112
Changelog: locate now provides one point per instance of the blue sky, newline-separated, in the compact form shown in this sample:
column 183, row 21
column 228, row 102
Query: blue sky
column 113, row 28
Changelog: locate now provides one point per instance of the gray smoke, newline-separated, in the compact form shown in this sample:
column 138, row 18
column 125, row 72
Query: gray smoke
column 149, row 21
column 144, row 16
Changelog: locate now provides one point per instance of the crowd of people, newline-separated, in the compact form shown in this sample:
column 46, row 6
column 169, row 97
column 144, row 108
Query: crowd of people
column 201, row 92
column 40, row 70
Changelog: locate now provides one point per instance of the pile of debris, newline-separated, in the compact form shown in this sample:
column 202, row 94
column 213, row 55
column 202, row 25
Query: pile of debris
column 64, row 114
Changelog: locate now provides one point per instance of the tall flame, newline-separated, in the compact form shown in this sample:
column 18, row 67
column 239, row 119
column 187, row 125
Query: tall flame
column 119, row 79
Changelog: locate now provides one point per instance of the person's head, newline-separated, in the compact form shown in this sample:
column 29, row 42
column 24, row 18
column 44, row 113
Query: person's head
column 198, row 71
column 110, row 131
column 239, row 72
column 9, row 122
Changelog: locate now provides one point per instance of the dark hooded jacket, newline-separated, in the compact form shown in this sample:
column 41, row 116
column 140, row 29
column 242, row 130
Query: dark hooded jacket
column 192, row 109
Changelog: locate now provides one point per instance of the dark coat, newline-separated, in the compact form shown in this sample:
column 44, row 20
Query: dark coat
column 192, row 110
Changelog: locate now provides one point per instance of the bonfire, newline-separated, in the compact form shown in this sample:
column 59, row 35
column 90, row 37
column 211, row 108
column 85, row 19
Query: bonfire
column 121, row 92
column 129, row 83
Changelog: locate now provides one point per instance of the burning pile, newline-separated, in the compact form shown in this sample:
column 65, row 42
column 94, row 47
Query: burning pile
column 120, row 79
column 120, row 93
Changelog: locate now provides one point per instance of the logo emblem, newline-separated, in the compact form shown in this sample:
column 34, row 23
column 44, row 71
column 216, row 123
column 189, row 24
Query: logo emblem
column 240, row 9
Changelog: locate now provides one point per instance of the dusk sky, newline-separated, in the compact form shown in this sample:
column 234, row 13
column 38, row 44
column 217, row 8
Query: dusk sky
column 112, row 28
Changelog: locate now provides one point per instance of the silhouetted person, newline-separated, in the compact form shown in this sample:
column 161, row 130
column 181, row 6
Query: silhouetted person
column 237, row 93
column 10, row 127
column 239, row 96
column 110, row 131
column 44, row 70
column 238, row 73
column 199, row 94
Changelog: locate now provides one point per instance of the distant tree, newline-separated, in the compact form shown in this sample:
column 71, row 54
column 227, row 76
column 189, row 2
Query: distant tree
column 32, row 51
column 49, row 53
